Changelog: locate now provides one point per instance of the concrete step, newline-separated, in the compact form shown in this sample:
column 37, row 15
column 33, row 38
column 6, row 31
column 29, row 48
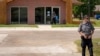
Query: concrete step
column 44, row 26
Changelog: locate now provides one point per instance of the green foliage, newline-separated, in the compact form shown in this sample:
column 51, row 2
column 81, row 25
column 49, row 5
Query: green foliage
column 97, row 2
column 84, row 8
column 65, row 25
column 18, row 25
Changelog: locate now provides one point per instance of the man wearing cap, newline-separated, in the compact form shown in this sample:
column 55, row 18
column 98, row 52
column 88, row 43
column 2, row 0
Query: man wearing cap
column 86, row 30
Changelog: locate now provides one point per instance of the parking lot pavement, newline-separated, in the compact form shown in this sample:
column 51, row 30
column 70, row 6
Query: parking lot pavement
column 39, row 43
column 42, row 28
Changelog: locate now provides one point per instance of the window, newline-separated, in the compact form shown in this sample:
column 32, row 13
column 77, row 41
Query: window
column 18, row 15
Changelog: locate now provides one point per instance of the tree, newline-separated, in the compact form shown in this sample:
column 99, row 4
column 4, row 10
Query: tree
column 97, row 2
column 84, row 8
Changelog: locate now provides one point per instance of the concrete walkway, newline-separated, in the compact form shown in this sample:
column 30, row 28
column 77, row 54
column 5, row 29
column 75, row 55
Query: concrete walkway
column 41, row 28
column 42, row 41
column 15, row 46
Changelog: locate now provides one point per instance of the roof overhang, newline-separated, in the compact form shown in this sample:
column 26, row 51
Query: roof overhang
column 9, row 0
column 75, row 2
column 6, row 0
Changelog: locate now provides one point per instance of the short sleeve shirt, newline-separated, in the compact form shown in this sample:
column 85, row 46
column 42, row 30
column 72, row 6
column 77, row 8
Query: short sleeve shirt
column 86, row 28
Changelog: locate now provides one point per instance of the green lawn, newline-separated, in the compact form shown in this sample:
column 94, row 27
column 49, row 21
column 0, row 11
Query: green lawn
column 96, row 44
column 77, row 19
column 18, row 25
column 65, row 25
column 97, row 24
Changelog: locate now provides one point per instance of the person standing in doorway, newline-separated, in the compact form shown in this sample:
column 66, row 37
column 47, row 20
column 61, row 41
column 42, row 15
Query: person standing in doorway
column 86, row 30
column 54, row 18
column 57, row 19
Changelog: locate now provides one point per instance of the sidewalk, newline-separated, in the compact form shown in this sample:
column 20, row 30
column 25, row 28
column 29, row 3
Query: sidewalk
column 42, row 41
column 47, row 47
column 41, row 28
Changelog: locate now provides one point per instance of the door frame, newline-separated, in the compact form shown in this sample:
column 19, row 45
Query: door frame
column 59, row 12
column 51, row 12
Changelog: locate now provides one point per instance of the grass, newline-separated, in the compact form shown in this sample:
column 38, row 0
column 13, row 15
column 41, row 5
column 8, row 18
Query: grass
column 96, row 44
column 18, row 25
column 97, row 24
column 77, row 19
column 65, row 25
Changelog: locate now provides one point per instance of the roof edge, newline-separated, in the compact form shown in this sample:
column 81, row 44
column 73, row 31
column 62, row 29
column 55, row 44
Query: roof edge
column 9, row 0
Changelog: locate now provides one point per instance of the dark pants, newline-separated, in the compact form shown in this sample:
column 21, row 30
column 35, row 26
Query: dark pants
column 54, row 21
column 88, row 43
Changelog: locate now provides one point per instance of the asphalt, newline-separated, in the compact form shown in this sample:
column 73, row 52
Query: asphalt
column 42, row 41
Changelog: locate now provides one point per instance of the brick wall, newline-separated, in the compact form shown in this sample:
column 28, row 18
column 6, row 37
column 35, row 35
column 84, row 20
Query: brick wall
column 31, row 4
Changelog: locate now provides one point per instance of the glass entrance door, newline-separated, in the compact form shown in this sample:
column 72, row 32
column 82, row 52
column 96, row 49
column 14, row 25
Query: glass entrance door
column 48, row 15
column 15, row 15
column 57, row 14
column 23, row 15
column 39, row 15
column 18, row 15
column 44, row 15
